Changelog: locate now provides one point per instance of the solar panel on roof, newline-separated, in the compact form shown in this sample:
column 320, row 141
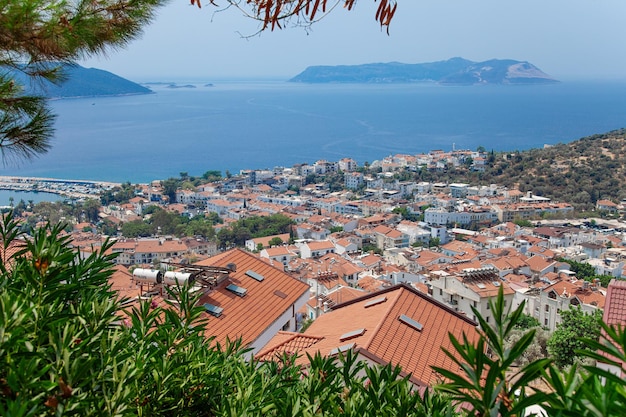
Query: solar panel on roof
column 375, row 301
column 255, row 275
column 240, row 291
column 343, row 348
column 351, row 335
column 213, row 310
column 411, row 323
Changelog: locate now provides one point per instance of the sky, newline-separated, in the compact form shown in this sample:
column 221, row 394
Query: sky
column 568, row 39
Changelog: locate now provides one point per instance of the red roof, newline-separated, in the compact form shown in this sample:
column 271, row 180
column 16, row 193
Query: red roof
column 615, row 308
column 372, row 323
column 265, row 301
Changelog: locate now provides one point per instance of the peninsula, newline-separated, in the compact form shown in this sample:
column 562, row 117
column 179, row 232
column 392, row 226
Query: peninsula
column 84, row 82
column 455, row 71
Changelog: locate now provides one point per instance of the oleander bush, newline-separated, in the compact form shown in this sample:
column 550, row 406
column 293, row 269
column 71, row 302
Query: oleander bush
column 66, row 348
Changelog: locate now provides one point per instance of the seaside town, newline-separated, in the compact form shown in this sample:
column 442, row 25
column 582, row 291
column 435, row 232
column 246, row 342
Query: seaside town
column 444, row 248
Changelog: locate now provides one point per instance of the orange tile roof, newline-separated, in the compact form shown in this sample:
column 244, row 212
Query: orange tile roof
column 615, row 307
column 378, row 334
column 574, row 289
column 615, row 312
column 320, row 245
column 265, row 241
column 251, row 315
column 538, row 263
column 7, row 255
column 121, row 282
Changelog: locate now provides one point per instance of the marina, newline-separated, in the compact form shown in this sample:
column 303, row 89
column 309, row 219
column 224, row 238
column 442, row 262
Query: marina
column 70, row 189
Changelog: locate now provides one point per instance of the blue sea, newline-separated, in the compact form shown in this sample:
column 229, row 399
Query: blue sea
column 241, row 125
column 8, row 197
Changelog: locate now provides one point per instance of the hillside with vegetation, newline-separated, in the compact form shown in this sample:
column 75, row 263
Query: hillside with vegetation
column 580, row 172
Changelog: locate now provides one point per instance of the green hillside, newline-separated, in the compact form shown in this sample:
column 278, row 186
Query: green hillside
column 580, row 172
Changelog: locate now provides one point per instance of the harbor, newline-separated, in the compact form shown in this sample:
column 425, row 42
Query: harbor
column 69, row 189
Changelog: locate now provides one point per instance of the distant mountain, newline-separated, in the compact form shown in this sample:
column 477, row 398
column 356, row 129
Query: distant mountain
column 456, row 71
column 84, row 82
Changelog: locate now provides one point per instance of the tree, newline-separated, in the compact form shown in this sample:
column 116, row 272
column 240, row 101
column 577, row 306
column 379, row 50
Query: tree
column 526, row 322
column 567, row 339
column 91, row 208
column 212, row 175
column 170, row 186
column 275, row 241
column 38, row 36
column 279, row 13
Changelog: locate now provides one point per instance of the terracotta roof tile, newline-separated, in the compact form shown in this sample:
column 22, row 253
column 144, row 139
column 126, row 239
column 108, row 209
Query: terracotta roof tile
column 251, row 315
column 377, row 332
column 615, row 311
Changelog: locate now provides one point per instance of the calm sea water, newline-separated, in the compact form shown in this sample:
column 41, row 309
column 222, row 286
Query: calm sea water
column 27, row 196
column 241, row 125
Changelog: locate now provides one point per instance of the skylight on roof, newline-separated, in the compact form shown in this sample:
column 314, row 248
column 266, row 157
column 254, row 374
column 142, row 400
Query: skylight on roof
column 280, row 294
column 375, row 301
column 255, row 275
column 343, row 348
column 481, row 286
column 411, row 323
column 496, row 283
column 240, row 291
column 213, row 310
column 352, row 335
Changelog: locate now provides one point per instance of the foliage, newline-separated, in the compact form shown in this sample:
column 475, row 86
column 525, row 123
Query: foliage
column 484, row 384
column 119, row 194
column 407, row 215
column 523, row 223
column 279, row 13
column 37, row 37
column 212, row 175
column 434, row 241
column 368, row 247
column 568, row 336
column 136, row 228
column 587, row 272
column 163, row 222
column 66, row 349
column 253, row 227
column 527, row 322
column 538, row 349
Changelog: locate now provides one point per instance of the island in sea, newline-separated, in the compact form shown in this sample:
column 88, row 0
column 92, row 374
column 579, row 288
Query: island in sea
column 454, row 71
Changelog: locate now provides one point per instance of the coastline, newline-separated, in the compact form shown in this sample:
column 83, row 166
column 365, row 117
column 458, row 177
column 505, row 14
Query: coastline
column 74, row 189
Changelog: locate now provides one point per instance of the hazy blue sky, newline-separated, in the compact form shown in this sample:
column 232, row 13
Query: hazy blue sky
column 568, row 39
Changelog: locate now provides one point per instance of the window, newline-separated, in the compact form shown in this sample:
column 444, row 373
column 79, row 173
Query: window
column 488, row 306
column 440, row 291
column 545, row 321
column 487, row 319
column 547, row 308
